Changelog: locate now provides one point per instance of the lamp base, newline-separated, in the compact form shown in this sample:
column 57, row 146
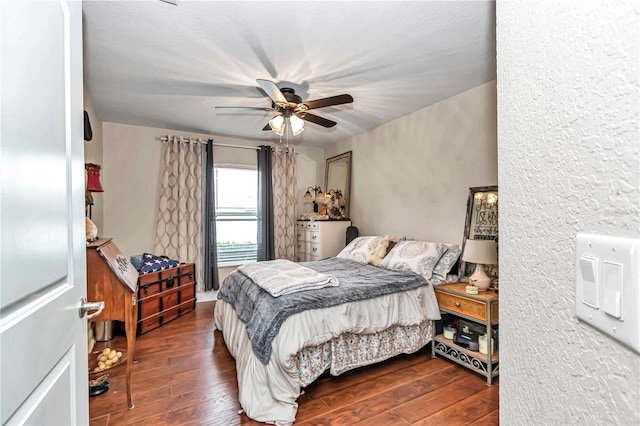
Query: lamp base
column 480, row 279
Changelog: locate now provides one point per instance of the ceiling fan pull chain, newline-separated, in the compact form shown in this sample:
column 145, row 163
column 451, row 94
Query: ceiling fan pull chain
column 288, row 128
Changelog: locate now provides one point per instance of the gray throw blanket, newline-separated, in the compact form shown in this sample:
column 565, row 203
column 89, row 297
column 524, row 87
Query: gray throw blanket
column 263, row 314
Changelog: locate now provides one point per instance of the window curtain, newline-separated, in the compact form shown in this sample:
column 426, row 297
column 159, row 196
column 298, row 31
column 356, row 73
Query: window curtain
column 210, row 241
column 266, row 237
column 179, row 230
column 284, row 198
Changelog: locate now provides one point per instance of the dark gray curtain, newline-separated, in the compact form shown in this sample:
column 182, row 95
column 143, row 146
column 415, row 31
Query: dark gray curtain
column 210, row 242
column 266, row 250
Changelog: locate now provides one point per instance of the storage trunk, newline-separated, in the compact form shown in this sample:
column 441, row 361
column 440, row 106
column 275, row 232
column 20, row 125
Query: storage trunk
column 165, row 295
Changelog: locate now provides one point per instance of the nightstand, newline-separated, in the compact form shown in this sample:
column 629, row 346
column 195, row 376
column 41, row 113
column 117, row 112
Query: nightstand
column 481, row 308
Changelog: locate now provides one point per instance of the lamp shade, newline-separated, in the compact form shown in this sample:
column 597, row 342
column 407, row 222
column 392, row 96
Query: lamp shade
column 320, row 196
column 483, row 252
column 93, row 177
column 297, row 125
column 277, row 124
column 308, row 198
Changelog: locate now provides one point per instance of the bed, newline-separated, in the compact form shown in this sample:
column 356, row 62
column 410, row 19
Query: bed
column 324, row 329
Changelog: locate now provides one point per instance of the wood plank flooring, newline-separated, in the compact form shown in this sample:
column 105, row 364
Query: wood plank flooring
column 184, row 375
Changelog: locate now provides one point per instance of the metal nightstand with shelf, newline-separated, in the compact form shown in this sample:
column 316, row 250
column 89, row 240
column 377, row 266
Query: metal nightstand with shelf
column 481, row 308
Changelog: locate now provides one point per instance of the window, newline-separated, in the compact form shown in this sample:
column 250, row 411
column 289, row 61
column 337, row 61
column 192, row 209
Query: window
column 236, row 215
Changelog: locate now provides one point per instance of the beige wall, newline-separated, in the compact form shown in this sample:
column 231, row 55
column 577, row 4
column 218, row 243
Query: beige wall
column 411, row 177
column 93, row 154
column 131, row 172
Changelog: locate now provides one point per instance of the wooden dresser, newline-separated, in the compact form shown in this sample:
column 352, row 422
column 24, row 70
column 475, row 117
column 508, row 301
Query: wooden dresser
column 319, row 239
column 165, row 295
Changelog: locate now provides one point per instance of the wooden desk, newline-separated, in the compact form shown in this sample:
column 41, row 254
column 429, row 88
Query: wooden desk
column 103, row 258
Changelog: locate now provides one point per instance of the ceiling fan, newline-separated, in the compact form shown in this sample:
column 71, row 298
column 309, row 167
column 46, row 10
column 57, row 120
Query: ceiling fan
column 290, row 109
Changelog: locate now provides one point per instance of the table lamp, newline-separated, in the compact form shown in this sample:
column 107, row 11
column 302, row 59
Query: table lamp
column 93, row 185
column 480, row 252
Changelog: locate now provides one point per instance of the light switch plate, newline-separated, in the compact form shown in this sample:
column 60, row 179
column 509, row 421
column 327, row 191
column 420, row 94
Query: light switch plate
column 608, row 286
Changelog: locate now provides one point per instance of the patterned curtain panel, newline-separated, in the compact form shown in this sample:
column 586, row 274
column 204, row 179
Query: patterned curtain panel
column 285, row 188
column 179, row 228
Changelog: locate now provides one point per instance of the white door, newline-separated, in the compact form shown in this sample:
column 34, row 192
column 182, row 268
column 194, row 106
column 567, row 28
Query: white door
column 43, row 341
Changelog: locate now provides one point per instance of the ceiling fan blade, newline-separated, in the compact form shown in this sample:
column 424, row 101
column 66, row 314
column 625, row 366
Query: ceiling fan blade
column 272, row 91
column 267, row 127
column 330, row 101
column 251, row 108
column 316, row 119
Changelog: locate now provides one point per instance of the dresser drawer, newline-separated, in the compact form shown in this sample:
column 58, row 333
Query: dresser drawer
column 314, row 250
column 301, row 247
column 314, row 236
column 314, row 226
column 302, row 235
column 462, row 305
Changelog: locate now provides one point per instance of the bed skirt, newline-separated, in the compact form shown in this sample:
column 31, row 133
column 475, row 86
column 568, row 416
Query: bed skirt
column 350, row 350
column 269, row 393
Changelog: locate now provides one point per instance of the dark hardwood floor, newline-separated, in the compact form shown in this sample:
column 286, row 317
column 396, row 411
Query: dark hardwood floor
column 184, row 375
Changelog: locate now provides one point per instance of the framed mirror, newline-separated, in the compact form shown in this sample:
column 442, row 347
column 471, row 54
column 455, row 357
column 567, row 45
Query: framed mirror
column 337, row 183
column 481, row 224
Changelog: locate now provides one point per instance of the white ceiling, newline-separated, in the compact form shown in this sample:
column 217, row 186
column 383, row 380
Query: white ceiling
column 154, row 64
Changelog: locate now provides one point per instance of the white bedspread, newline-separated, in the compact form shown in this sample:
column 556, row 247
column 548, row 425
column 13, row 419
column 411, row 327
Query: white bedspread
column 268, row 393
column 283, row 276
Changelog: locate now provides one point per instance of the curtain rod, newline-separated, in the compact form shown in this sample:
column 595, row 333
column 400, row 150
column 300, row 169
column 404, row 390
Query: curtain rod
column 182, row 139
column 204, row 142
column 201, row 141
column 236, row 146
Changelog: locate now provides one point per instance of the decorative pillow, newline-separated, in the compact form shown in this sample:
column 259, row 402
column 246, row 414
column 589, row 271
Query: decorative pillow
column 359, row 250
column 417, row 256
column 447, row 261
column 451, row 278
column 153, row 263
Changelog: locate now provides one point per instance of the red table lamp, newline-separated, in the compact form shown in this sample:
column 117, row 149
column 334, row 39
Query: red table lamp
column 93, row 177
column 93, row 184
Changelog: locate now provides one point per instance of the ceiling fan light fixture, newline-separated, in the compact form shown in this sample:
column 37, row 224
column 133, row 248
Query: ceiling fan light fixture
column 287, row 105
column 297, row 125
column 277, row 124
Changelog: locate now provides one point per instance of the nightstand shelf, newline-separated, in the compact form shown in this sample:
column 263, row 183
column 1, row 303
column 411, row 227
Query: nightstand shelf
column 481, row 308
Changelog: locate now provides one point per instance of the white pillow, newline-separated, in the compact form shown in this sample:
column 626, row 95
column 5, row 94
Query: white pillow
column 417, row 256
column 359, row 250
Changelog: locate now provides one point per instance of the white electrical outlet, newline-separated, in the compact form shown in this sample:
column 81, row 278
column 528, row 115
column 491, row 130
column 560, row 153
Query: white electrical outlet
column 608, row 286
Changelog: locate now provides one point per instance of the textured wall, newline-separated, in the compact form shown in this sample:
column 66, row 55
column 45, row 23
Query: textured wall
column 411, row 176
column 569, row 162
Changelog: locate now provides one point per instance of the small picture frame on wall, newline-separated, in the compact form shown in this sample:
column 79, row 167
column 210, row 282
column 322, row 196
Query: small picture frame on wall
column 481, row 224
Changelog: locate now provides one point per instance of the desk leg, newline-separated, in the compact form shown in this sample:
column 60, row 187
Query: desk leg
column 131, row 313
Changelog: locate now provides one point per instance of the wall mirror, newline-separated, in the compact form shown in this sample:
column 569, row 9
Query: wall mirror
column 481, row 224
column 337, row 183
